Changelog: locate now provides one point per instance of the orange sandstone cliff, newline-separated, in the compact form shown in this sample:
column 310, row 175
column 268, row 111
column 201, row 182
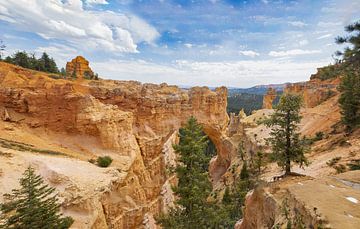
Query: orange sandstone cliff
column 134, row 123
column 315, row 91
column 320, row 197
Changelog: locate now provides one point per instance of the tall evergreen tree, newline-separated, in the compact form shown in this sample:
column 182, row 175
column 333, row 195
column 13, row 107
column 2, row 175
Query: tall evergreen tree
column 21, row 59
column 350, row 82
column 48, row 64
column 193, row 181
column 350, row 99
column 284, row 138
column 33, row 62
column 33, row 206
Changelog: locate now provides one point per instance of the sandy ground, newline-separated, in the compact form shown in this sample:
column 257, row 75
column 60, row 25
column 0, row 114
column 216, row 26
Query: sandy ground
column 337, row 199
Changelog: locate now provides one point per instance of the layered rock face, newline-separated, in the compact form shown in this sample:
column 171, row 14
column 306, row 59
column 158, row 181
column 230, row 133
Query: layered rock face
column 314, row 91
column 269, row 98
column 304, row 202
column 130, row 121
column 78, row 68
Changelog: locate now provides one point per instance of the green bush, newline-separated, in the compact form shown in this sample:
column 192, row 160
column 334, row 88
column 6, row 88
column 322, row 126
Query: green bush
column 104, row 161
column 340, row 168
column 354, row 164
column 333, row 161
column 319, row 136
column 329, row 72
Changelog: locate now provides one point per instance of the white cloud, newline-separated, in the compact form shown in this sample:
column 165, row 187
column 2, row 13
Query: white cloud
column 188, row 45
column 229, row 73
column 303, row 42
column 94, row 2
column 293, row 52
column 328, row 24
column 265, row 1
column 85, row 29
column 249, row 53
column 297, row 23
column 324, row 36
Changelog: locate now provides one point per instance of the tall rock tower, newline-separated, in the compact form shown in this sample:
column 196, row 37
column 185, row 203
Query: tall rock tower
column 79, row 68
column 269, row 97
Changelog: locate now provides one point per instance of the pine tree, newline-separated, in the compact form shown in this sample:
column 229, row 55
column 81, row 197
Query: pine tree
column 241, row 151
column 33, row 62
column 351, row 54
column 227, row 198
column 244, row 173
column 21, row 59
column 193, row 181
column 284, row 138
column 33, row 206
column 350, row 99
column 259, row 162
column 48, row 64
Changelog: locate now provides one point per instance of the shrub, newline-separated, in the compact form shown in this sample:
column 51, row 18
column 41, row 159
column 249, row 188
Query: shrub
column 333, row 161
column 92, row 161
column 340, row 168
column 88, row 75
column 104, row 161
column 319, row 136
column 354, row 164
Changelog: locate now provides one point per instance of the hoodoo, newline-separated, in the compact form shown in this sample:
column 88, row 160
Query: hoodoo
column 79, row 68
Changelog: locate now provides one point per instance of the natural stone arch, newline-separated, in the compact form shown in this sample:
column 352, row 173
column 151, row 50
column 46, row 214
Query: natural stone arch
column 225, row 152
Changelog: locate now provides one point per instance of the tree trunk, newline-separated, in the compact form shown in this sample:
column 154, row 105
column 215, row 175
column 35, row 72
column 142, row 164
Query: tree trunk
column 287, row 167
column 288, row 144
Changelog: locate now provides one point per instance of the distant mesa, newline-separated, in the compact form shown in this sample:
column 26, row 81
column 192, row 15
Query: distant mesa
column 79, row 68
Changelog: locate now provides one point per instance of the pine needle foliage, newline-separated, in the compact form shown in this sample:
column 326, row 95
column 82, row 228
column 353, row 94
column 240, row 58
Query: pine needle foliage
column 350, row 99
column 193, row 181
column 33, row 206
column 287, row 146
column 351, row 54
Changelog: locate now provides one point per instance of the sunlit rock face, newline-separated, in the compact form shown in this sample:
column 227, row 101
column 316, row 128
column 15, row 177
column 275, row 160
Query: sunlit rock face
column 134, row 123
column 79, row 68
column 269, row 98
column 315, row 91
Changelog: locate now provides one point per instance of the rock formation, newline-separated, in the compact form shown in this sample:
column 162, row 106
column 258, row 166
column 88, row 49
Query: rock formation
column 269, row 98
column 130, row 121
column 314, row 91
column 61, row 124
column 79, row 68
column 329, row 202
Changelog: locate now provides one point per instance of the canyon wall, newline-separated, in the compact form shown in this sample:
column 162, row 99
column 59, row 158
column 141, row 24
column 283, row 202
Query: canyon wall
column 314, row 91
column 126, row 119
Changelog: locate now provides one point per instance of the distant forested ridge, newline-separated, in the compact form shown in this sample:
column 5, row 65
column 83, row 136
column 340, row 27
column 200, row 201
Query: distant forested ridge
column 246, row 101
column 250, row 99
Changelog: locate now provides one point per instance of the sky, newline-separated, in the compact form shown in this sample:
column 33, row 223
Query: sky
column 230, row 43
